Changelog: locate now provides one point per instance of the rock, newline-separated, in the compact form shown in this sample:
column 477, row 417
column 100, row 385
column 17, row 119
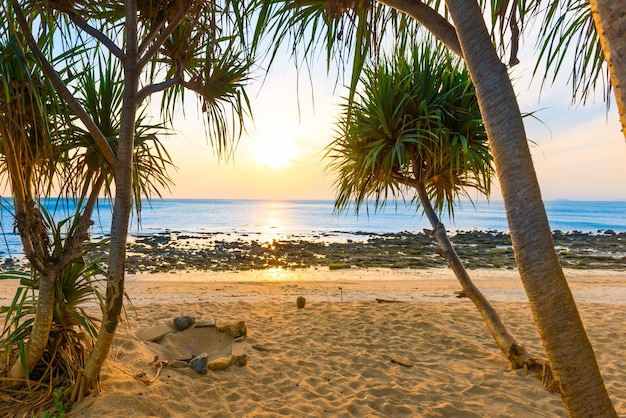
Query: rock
column 183, row 322
column 240, row 360
column 235, row 330
column 220, row 363
column 199, row 364
column 300, row 302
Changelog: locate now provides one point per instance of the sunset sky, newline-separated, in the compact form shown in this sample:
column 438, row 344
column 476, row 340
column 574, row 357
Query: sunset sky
column 579, row 151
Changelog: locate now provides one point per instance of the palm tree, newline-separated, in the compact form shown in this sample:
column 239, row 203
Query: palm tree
column 52, row 149
column 172, row 47
column 415, row 125
column 568, row 348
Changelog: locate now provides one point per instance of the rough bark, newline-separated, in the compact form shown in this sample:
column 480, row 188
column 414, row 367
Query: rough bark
column 610, row 19
column 568, row 349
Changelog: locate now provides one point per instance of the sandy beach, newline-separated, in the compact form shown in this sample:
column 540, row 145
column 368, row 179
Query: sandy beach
column 344, row 354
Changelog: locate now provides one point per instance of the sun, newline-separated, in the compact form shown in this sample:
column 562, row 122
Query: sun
column 275, row 151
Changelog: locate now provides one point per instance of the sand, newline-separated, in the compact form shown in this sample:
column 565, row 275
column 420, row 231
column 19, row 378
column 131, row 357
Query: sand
column 335, row 356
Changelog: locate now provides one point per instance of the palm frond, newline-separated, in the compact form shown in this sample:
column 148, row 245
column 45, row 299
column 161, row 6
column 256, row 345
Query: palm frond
column 414, row 119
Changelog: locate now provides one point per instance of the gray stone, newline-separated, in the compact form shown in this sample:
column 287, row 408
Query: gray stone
column 183, row 322
column 198, row 364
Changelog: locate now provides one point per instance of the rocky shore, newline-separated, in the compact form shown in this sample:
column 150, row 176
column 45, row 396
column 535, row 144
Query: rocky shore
column 175, row 251
column 170, row 251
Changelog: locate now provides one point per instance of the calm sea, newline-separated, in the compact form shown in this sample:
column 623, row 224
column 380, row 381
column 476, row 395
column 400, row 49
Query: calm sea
column 264, row 219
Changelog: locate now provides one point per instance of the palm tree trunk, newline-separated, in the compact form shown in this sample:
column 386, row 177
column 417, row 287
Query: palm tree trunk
column 560, row 327
column 38, row 338
column 610, row 19
column 514, row 352
column 121, row 208
column 430, row 19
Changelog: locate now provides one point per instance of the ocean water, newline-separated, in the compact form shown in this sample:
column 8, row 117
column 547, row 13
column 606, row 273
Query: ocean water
column 316, row 219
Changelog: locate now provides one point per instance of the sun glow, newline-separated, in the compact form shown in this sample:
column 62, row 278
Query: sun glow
column 276, row 151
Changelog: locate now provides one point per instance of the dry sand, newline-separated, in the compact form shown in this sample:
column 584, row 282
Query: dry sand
column 334, row 357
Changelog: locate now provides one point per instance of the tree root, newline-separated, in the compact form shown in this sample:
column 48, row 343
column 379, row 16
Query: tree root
column 521, row 359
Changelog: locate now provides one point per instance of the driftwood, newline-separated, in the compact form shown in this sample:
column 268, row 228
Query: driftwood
column 387, row 301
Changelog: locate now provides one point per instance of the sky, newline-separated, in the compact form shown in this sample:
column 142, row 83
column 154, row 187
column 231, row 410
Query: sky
column 578, row 150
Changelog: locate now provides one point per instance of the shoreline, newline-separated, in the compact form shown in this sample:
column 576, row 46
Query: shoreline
column 357, row 285
column 348, row 285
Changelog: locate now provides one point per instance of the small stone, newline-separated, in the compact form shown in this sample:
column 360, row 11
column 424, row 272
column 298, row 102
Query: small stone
column 219, row 363
column 239, row 339
column 300, row 302
column 199, row 364
column 240, row 360
column 183, row 322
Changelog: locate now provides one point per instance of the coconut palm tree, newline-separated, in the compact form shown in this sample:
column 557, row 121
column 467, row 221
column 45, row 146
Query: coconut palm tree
column 415, row 126
column 461, row 26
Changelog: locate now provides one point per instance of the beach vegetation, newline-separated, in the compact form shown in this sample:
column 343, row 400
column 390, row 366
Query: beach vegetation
column 177, row 49
column 359, row 29
column 414, row 131
column 48, row 336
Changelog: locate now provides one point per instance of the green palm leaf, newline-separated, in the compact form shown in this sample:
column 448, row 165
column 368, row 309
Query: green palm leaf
column 414, row 119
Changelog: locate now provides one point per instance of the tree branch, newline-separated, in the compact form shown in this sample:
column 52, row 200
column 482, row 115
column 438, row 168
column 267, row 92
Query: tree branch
column 62, row 89
column 150, row 37
column 153, row 88
column 160, row 40
column 430, row 19
column 105, row 40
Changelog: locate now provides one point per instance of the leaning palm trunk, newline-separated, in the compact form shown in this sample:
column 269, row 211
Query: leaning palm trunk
column 562, row 333
column 517, row 355
column 609, row 17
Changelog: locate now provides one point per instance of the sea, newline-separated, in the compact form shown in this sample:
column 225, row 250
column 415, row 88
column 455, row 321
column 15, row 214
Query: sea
column 265, row 220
